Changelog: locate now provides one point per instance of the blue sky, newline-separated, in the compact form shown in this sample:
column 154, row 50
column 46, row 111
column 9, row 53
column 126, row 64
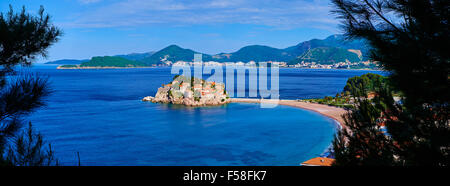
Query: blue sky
column 110, row 27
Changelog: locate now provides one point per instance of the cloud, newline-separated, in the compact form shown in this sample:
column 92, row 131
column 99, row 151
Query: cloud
column 279, row 14
column 88, row 1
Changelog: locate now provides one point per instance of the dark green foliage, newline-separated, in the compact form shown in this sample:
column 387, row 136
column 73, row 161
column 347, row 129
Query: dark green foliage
column 22, row 95
column 19, row 98
column 342, row 102
column 367, row 83
column 111, row 61
column 414, row 48
column 23, row 38
column 29, row 149
column 362, row 142
column 358, row 86
column 69, row 66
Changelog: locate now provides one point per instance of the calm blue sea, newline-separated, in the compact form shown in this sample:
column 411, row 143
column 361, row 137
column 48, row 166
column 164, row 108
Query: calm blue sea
column 98, row 113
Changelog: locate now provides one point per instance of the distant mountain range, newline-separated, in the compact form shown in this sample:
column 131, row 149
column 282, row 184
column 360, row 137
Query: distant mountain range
column 136, row 56
column 67, row 61
column 327, row 51
column 132, row 56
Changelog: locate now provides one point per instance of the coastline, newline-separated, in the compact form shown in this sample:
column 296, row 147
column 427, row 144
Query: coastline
column 331, row 112
column 66, row 68
column 334, row 113
column 112, row 67
column 367, row 69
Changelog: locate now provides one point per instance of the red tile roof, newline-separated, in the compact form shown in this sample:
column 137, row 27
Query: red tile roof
column 319, row 161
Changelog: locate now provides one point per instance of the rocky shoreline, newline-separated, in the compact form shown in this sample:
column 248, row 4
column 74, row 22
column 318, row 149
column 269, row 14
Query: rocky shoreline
column 191, row 91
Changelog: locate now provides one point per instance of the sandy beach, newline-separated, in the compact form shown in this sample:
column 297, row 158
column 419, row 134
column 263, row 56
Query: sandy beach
column 328, row 111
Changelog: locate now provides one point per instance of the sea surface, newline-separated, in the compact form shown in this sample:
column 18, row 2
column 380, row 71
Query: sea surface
column 99, row 113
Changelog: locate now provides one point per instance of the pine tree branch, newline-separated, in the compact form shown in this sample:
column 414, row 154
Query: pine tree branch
column 381, row 16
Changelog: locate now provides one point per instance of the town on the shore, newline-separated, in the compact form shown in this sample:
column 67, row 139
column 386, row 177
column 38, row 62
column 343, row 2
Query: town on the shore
column 311, row 65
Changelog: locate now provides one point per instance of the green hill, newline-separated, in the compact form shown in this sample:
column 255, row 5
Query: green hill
column 111, row 61
column 254, row 53
column 136, row 56
column 173, row 53
column 327, row 55
column 333, row 48
column 324, row 51
column 333, row 41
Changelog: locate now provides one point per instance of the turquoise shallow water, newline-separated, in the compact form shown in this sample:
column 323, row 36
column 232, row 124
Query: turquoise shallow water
column 98, row 113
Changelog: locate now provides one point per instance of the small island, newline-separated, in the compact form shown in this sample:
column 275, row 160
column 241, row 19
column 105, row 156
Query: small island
column 191, row 91
column 105, row 62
